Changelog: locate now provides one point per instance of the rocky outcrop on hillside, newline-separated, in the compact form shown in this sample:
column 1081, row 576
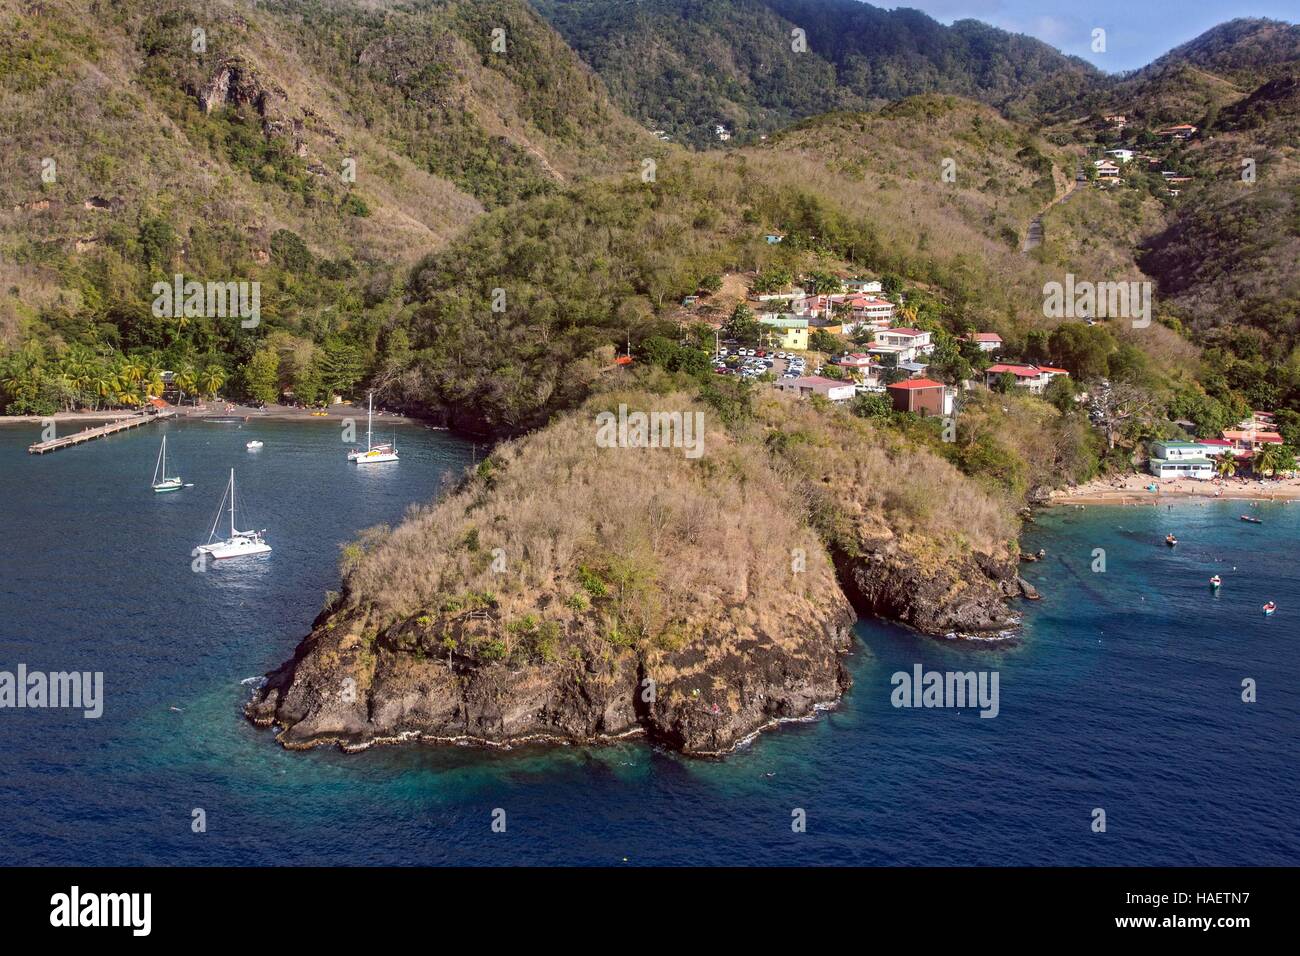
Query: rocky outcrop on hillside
column 349, row 686
column 963, row 598
column 234, row 83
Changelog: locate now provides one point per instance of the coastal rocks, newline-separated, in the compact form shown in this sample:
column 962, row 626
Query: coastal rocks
column 960, row 598
column 348, row 687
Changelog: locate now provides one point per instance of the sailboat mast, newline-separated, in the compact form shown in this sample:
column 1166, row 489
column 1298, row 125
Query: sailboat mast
column 232, row 502
column 158, row 464
column 370, row 418
column 164, row 457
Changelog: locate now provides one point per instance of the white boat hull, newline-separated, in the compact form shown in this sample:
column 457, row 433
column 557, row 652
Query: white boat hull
column 171, row 484
column 374, row 454
column 239, row 547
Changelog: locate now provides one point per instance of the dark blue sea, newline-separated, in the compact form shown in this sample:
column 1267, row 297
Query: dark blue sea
column 1124, row 693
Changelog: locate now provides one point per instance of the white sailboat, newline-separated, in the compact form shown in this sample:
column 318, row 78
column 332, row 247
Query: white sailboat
column 240, row 543
column 160, row 481
column 374, row 454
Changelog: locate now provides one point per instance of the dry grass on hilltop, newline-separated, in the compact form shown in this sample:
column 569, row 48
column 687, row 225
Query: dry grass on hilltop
column 865, row 484
column 636, row 547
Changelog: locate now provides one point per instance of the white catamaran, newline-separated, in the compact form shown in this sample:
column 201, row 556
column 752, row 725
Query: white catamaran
column 240, row 543
column 374, row 454
column 160, row 480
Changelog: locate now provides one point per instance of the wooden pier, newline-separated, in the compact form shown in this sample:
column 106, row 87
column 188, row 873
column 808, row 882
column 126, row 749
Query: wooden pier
column 90, row 434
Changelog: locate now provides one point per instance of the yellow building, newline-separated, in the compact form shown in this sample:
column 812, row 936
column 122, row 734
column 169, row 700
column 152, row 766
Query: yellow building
column 793, row 333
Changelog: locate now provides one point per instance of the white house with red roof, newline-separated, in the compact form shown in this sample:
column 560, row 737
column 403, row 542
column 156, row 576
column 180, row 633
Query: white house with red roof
column 870, row 308
column 1032, row 377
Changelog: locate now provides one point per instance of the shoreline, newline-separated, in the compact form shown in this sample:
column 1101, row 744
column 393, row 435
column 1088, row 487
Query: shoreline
column 1133, row 490
column 286, row 413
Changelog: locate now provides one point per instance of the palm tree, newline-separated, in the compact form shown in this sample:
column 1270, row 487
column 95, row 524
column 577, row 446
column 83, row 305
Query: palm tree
column 133, row 371
column 211, row 379
column 78, row 369
column 153, row 379
column 102, row 384
column 1268, row 460
column 186, row 378
column 64, row 390
column 1226, row 465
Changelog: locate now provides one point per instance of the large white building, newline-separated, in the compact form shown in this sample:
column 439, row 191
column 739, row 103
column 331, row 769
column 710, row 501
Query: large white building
column 1181, row 459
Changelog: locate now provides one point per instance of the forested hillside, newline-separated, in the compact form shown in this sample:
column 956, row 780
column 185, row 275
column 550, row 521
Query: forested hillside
column 687, row 66
column 316, row 147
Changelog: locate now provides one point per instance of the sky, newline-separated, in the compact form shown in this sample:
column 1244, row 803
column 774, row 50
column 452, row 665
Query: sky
column 1137, row 31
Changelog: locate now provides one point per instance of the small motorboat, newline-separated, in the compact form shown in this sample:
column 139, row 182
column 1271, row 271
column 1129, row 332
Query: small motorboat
column 1216, row 582
column 1170, row 540
column 253, row 445
column 1269, row 608
column 1252, row 519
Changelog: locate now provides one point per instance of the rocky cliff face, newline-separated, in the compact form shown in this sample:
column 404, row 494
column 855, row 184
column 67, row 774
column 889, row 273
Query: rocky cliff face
column 964, row 598
column 349, row 686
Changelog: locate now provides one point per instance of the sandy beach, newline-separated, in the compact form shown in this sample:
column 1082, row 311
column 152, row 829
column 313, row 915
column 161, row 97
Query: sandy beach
column 1133, row 490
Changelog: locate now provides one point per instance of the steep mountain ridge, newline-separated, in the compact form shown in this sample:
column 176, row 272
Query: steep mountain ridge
column 685, row 66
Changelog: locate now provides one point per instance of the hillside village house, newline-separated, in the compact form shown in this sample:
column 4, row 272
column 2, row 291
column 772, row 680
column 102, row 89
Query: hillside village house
column 863, row 286
column 793, row 331
column 1106, row 169
column 868, row 373
column 905, row 344
column 1181, row 131
column 1251, row 438
column 1123, row 155
column 870, row 308
column 817, row 385
column 922, row 396
column 861, row 307
column 853, row 362
column 1031, row 377
column 987, row 341
column 1180, row 459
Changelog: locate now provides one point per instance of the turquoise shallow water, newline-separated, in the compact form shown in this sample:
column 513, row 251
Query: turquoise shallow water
column 1123, row 693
